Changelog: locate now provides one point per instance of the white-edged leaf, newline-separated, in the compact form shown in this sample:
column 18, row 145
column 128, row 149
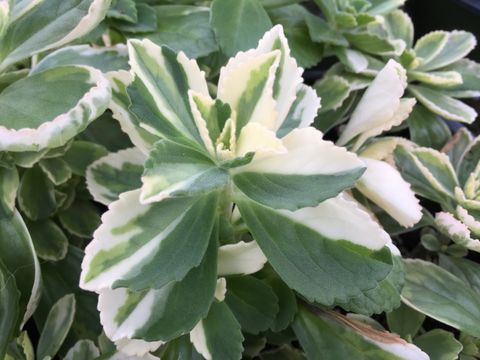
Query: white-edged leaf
column 443, row 105
column 161, row 314
column 443, row 79
column 159, row 90
column 430, row 45
column 76, row 96
column 457, row 229
column 49, row 240
column 309, row 171
column 56, row 169
column 384, row 185
column 104, row 59
column 49, row 25
column 134, row 238
column 114, row 174
column 333, row 91
column 400, row 26
column 9, row 182
column 457, row 45
column 300, row 244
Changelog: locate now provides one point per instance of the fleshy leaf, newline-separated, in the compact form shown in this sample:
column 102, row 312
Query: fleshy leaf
column 427, row 129
column 384, row 185
column 76, row 96
column 9, row 182
column 310, row 171
column 57, row 326
column 442, row 296
column 253, row 303
column 49, row 240
column 104, row 59
column 457, row 45
column 134, row 238
column 443, row 105
column 380, row 107
column 300, row 244
column 208, row 336
column 350, row 339
column 49, row 25
column 439, row 344
column 251, row 22
column 83, row 350
column 114, row 174
column 173, row 170
column 9, row 309
column 164, row 313
column 240, row 258
column 159, row 90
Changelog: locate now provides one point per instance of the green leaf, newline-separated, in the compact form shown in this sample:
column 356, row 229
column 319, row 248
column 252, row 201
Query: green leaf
column 306, row 52
column 114, row 174
column 405, row 321
column 333, row 90
column 56, row 327
column 49, row 25
column 287, row 181
column 321, row 32
column 439, row 345
column 9, row 309
column 352, row 59
column 50, row 242
column 146, row 21
column 327, row 260
column 379, row 7
column 59, row 279
column 374, row 44
column 253, row 303
column 76, row 96
column 382, row 298
column 185, row 28
column 9, row 182
column 56, row 169
column 83, row 153
column 167, row 312
column 428, row 171
column 123, row 10
column 287, row 303
column 36, row 194
column 443, row 105
column 159, row 92
column 173, row 170
column 335, row 338
column 134, row 238
column 427, row 129
column 104, row 59
column 245, row 24
column 180, row 348
column 19, row 258
column 457, row 145
column 80, row 219
column 430, row 45
column 439, row 79
column 209, row 338
column 464, row 269
column 83, row 350
column 457, row 45
column 442, row 296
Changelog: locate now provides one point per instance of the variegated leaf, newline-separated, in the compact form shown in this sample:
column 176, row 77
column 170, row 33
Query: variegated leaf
column 159, row 91
column 135, row 238
column 9, row 182
column 114, row 174
column 43, row 25
column 329, row 253
column 164, row 313
column 83, row 350
column 77, row 96
column 307, row 172
column 174, row 170
column 443, row 105
column 240, row 258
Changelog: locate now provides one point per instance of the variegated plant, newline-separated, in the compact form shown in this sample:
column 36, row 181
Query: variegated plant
column 218, row 172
